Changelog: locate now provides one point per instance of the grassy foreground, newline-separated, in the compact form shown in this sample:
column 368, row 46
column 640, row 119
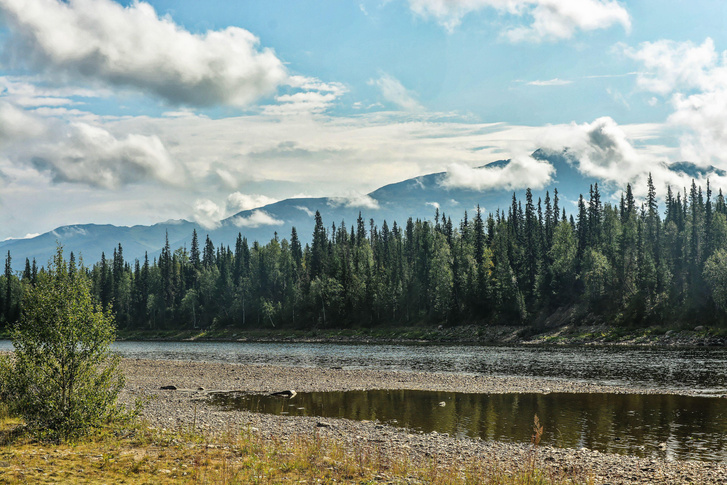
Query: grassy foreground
column 141, row 454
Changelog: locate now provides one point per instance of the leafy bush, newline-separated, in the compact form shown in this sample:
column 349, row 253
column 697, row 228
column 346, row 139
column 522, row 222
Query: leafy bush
column 62, row 380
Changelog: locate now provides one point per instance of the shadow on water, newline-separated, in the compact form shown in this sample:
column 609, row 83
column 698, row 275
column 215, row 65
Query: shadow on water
column 666, row 426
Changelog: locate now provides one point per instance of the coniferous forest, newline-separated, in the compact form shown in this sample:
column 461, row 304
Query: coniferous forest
column 632, row 264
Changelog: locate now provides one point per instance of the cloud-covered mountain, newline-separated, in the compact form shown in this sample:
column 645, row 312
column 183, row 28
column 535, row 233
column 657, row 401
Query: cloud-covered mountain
column 417, row 197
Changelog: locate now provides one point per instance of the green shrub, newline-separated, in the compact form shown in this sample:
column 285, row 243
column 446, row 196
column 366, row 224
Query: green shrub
column 62, row 380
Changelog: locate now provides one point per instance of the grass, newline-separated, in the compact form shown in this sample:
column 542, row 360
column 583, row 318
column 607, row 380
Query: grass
column 141, row 454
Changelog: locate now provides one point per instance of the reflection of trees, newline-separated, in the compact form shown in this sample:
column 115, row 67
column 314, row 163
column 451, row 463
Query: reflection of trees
column 688, row 425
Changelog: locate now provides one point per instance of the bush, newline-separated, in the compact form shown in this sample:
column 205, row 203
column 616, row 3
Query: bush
column 62, row 380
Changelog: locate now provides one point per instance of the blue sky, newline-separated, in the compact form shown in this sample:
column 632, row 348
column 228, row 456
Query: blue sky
column 138, row 112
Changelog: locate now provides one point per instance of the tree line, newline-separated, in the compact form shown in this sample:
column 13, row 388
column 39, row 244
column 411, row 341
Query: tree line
column 628, row 263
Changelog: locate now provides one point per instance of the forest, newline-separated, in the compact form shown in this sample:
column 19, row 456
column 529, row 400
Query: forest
column 626, row 264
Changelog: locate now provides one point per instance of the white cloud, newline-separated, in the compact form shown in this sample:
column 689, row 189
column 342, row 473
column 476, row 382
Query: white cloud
column 308, row 212
column 93, row 156
column 256, row 219
column 433, row 204
column 16, row 125
column 605, row 150
column 208, row 214
column 100, row 40
column 27, row 236
column 312, row 97
column 28, row 92
column 551, row 19
column 393, row 91
column 238, row 201
column 694, row 80
column 43, row 101
column 78, row 152
column 315, row 154
column 354, row 200
column 201, row 158
column 522, row 171
column 671, row 66
column 550, row 82
column 602, row 148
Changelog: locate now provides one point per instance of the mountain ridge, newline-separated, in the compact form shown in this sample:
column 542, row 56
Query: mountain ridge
column 416, row 197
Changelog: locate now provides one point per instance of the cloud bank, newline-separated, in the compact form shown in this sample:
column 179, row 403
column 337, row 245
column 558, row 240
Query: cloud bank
column 238, row 201
column 693, row 78
column 523, row 171
column 132, row 47
column 256, row 219
column 208, row 214
column 354, row 200
column 78, row 152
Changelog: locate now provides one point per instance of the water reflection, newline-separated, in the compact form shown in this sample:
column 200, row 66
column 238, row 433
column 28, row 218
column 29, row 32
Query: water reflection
column 666, row 426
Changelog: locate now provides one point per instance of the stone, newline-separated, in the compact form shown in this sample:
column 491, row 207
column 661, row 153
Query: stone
column 168, row 388
column 287, row 393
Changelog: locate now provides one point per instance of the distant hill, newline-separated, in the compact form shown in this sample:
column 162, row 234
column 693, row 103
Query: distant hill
column 416, row 197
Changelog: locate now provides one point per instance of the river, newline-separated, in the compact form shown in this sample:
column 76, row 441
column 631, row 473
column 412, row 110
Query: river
column 701, row 370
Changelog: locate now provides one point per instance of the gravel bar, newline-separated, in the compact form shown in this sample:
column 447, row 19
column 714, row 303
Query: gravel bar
column 173, row 409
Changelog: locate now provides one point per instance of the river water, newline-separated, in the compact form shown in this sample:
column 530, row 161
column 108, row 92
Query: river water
column 665, row 426
column 698, row 370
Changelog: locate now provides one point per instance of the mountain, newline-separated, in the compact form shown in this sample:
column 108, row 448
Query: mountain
column 695, row 171
column 90, row 240
column 416, row 197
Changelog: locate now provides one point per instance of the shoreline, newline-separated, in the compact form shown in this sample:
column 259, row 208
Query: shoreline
column 567, row 335
column 585, row 335
column 187, row 407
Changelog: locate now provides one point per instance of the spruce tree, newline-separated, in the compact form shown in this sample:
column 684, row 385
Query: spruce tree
column 194, row 251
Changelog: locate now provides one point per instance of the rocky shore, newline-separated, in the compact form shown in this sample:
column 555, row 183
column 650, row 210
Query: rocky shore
column 564, row 334
column 187, row 406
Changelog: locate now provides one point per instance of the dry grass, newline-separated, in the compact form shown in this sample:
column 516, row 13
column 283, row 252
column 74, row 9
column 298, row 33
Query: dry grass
column 141, row 454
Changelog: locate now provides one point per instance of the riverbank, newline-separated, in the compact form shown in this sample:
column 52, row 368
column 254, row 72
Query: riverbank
column 571, row 334
column 187, row 407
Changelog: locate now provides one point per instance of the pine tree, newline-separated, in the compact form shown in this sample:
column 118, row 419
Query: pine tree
column 531, row 247
column 194, row 251
column 319, row 248
column 479, row 230
column 208, row 254
column 9, row 309
column 594, row 217
column 549, row 223
column 582, row 229
column 26, row 271
column 105, row 283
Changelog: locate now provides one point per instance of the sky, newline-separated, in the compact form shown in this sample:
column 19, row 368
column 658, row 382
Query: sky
column 139, row 112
